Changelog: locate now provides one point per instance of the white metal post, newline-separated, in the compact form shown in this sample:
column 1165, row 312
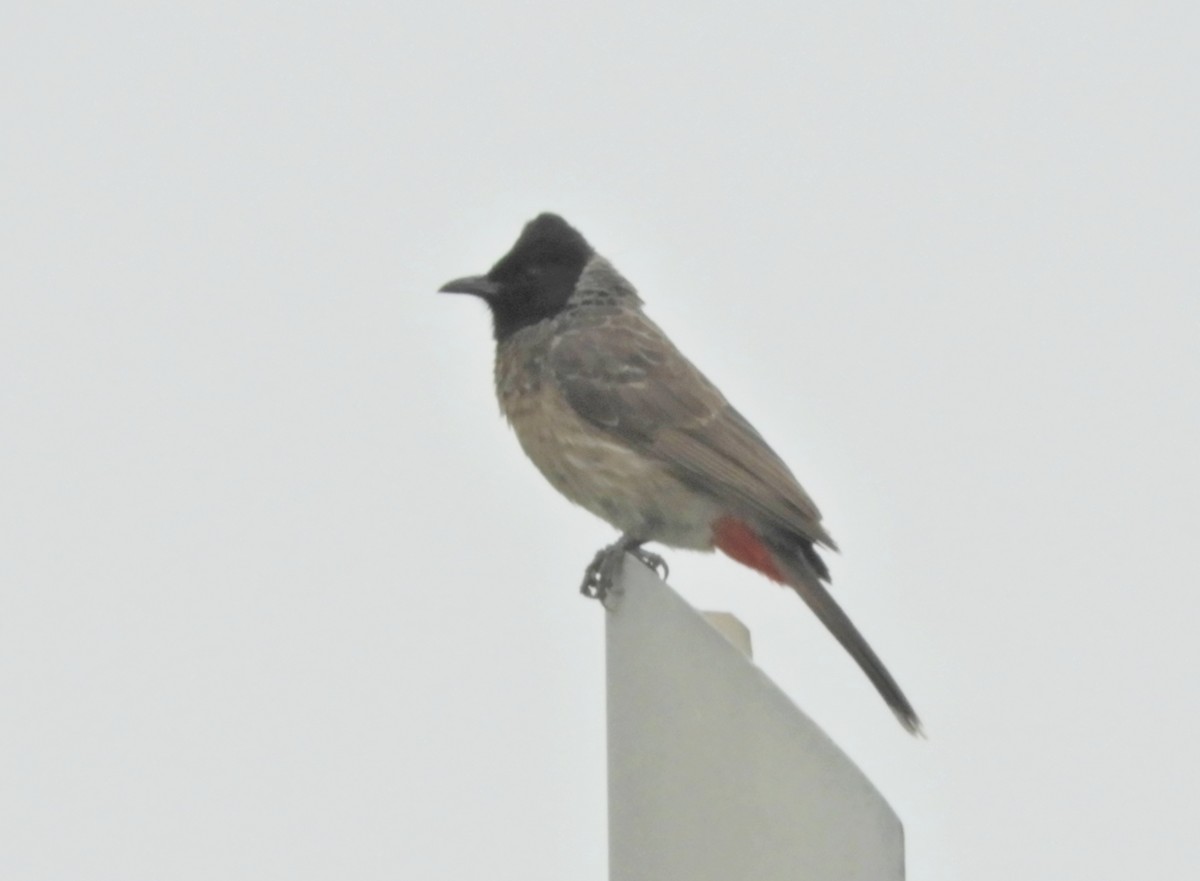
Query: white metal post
column 713, row 773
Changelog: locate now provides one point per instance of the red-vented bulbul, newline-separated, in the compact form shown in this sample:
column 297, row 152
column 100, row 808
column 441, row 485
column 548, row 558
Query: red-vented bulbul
column 620, row 422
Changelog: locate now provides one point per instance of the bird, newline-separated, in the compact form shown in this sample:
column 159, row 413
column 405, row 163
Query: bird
column 620, row 422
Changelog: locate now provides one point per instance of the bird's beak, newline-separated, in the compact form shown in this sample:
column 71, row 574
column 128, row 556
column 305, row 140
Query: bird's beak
column 477, row 285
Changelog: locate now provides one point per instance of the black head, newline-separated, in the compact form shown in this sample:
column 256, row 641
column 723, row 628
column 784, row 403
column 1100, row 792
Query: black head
column 533, row 281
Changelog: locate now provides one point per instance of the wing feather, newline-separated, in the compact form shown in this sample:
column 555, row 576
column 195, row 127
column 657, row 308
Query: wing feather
column 626, row 378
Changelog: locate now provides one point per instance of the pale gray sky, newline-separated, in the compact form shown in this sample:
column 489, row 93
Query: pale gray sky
column 281, row 597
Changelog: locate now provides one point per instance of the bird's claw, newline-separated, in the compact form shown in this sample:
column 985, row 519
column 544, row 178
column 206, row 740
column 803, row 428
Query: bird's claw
column 600, row 574
column 652, row 561
column 599, row 578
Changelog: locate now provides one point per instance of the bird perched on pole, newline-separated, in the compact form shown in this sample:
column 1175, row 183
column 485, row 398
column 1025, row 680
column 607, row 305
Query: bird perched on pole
column 621, row 423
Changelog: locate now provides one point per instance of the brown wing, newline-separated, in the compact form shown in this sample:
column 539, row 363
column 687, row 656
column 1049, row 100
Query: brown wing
column 625, row 377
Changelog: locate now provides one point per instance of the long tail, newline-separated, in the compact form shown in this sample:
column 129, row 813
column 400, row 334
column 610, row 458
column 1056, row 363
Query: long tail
column 794, row 562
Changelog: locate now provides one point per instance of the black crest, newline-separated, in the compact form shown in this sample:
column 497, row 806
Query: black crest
column 532, row 281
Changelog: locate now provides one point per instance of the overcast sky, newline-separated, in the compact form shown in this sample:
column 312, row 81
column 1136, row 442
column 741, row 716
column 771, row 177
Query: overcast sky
column 280, row 596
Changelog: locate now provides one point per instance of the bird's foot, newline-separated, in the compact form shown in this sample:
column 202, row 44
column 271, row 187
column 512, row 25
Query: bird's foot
column 600, row 576
column 651, row 561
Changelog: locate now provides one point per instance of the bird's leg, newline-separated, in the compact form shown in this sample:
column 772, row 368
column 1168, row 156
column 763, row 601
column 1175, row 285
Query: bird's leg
column 599, row 577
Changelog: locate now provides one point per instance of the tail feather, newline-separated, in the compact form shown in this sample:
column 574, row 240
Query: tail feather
column 805, row 578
